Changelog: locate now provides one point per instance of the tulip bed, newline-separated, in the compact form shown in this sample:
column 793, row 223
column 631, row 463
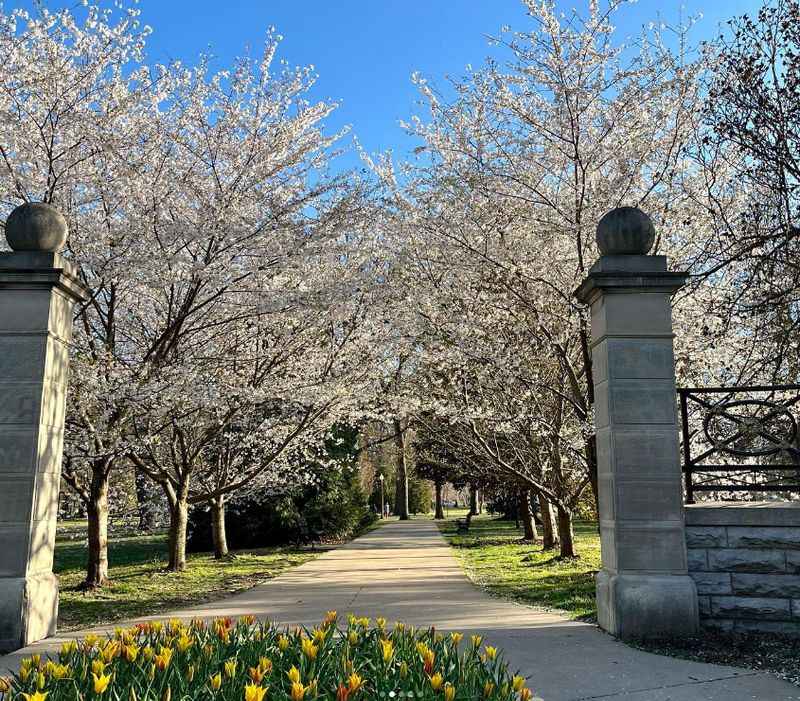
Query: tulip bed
column 243, row 660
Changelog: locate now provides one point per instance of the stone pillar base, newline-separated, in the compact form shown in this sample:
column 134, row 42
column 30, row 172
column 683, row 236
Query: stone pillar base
column 28, row 609
column 639, row 606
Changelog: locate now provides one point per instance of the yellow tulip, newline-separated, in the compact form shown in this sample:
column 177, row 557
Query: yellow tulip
column 456, row 638
column 436, row 681
column 476, row 640
column 312, row 687
column 184, row 643
column 330, row 618
column 147, row 652
column 319, row 635
column 354, row 683
column 5, row 685
column 163, row 659
column 40, row 681
column 24, row 673
column 38, row 696
column 298, row 691
column 399, row 625
column 216, row 681
column 491, row 652
column 265, row 665
column 98, row 666
column 352, row 637
column 101, row 682
column 387, row 650
column 309, row 649
column 525, row 694
column 294, row 675
column 167, row 696
column 403, row 669
column 449, row 692
column 380, row 622
column 230, row 668
column 252, row 692
column 68, row 648
column 488, row 688
column 91, row 640
column 517, row 683
column 109, row 651
column 283, row 643
column 428, row 659
column 256, row 674
column 131, row 652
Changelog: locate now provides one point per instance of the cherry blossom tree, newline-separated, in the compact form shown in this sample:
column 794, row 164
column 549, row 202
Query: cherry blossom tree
column 518, row 161
column 200, row 203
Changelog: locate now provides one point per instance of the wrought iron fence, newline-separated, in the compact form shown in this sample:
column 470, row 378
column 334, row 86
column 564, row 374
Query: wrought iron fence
column 740, row 439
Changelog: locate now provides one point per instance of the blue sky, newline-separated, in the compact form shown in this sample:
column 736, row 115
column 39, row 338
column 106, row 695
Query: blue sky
column 366, row 50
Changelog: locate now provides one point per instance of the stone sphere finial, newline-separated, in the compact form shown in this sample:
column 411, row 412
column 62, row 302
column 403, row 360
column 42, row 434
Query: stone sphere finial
column 36, row 226
column 625, row 231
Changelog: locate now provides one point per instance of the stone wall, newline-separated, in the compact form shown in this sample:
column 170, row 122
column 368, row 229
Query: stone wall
column 745, row 560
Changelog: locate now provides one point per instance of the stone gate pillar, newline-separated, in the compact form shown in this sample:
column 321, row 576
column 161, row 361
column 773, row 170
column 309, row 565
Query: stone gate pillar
column 643, row 589
column 37, row 291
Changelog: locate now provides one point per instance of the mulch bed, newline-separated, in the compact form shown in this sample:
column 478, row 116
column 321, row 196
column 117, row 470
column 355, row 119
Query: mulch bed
column 777, row 654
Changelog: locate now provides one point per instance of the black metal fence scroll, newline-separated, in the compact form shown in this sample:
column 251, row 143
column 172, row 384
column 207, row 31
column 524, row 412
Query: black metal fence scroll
column 740, row 439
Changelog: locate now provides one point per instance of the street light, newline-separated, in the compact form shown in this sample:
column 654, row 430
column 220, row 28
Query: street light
column 383, row 511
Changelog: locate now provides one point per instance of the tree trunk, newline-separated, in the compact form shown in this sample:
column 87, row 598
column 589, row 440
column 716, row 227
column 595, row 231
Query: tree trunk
column 143, row 505
column 401, row 489
column 550, row 540
column 473, row 499
column 97, row 511
column 565, row 532
column 218, row 528
column 526, row 515
column 439, row 507
column 178, row 525
column 591, row 459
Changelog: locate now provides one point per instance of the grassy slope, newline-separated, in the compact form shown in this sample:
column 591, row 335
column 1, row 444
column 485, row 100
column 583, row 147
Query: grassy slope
column 140, row 586
column 494, row 558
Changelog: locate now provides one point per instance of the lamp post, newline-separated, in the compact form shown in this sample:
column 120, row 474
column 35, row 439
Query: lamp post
column 383, row 510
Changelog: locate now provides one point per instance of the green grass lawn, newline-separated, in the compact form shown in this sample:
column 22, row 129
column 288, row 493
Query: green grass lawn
column 140, row 586
column 494, row 558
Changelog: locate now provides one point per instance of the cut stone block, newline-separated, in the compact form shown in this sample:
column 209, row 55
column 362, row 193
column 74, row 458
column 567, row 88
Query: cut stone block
column 730, row 560
column 764, row 537
column 751, row 607
column 769, row 585
column 706, row 537
column 712, row 582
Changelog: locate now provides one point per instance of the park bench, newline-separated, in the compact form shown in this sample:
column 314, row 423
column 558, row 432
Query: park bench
column 307, row 536
column 463, row 524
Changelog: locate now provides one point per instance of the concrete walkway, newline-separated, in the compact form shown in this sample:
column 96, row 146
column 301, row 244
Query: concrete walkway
column 405, row 571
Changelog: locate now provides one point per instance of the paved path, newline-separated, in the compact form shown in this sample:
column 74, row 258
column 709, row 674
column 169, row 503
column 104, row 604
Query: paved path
column 405, row 571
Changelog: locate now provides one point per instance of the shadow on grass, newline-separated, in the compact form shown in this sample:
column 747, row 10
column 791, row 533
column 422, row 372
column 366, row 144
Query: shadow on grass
column 495, row 557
